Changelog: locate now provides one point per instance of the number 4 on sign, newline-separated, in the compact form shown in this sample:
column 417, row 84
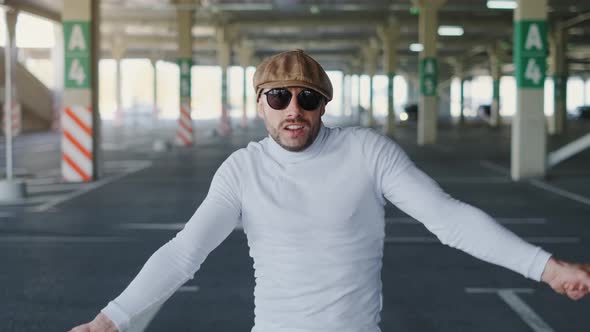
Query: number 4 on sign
column 76, row 72
column 533, row 72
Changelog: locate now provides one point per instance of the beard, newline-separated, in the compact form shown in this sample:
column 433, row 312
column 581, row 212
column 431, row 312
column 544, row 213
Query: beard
column 311, row 135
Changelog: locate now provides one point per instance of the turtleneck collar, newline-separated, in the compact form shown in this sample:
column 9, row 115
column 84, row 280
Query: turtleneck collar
column 284, row 156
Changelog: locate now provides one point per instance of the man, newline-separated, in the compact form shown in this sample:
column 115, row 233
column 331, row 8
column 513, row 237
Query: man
column 311, row 200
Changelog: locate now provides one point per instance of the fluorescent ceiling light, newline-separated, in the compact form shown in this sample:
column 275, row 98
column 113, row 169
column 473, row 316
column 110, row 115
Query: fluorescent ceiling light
column 502, row 4
column 450, row 30
column 416, row 47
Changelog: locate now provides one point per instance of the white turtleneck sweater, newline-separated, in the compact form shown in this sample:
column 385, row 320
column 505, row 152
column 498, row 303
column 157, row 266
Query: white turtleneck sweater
column 315, row 226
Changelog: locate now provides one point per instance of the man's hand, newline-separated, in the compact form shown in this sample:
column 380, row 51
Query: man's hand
column 570, row 279
column 100, row 324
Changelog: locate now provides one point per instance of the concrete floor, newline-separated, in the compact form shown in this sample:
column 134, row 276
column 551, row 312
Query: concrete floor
column 70, row 248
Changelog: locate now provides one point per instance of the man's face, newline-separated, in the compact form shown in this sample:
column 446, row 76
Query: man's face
column 293, row 127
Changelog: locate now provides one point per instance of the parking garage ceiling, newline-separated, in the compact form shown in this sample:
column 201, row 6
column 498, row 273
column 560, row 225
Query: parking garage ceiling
column 334, row 31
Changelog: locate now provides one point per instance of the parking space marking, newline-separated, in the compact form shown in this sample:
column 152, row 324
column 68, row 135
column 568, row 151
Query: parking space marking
column 524, row 311
column 539, row 184
column 473, row 180
column 188, row 289
column 135, row 166
column 560, row 192
column 152, row 226
column 503, row 221
column 34, row 238
column 159, row 226
column 434, row 240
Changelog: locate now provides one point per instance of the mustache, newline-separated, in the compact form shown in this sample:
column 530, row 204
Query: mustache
column 296, row 120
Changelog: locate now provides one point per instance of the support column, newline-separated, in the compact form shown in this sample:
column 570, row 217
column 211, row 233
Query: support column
column 13, row 116
column 118, row 51
column 80, row 120
column 530, row 58
column 156, row 110
column 558, row 67
column 356, row 110
column 370, row 54
column 184, row 131
column 57, row 58
column 427, row 109
column 11, row 189
column 224, row 39
column 246, row 54
column 389, row 35
column 496, row 73
column 459, row 69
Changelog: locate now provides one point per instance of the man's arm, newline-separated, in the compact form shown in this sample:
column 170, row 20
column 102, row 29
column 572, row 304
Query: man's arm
column 178, row 260
column 566, row 278
column 463, row 226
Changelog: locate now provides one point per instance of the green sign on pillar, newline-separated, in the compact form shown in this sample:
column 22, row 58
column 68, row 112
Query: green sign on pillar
column 185, row 65
column 77, row 54
column 530, row 53
column 428, row 76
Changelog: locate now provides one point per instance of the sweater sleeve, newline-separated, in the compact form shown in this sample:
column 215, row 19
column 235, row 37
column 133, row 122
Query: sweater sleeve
column 455, row 223
column 178, row 260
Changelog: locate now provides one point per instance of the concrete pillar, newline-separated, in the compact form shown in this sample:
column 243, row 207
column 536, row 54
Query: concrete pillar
column 13, row 123
column 461, row 99
column 459, row 69
column 356, row 69
column 224, row 38
column 246, row 54
column 428, row 25
column 389, row 35
column 81, row 119
column 156, row 111
column 412, row 90
column 530, row 58
column 558, row 67
column 370, row 55
column 57, row 58
column 496, row 73
column 118, row 51
column 10, row 97
column 184, row 130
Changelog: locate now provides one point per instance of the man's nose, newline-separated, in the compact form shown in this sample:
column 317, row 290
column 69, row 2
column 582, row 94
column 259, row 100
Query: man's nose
column 293, row 110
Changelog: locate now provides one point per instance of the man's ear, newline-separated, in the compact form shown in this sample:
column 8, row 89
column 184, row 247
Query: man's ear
column 260, row 108
column 323, row 109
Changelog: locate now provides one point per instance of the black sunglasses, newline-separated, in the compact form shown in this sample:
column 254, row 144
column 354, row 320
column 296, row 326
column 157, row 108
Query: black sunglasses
column 280, row 98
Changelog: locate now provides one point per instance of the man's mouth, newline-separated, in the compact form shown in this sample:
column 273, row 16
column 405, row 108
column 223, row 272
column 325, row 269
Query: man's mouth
column 295, row 129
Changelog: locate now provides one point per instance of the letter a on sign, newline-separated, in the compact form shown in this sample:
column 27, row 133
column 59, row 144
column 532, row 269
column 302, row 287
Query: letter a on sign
column 77, row 39
column 533, row 38
column 429, row 67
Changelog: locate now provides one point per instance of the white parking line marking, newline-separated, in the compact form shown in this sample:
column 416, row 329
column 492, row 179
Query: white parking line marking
column 526, row 313
column 560, row 192
column 503, row 221
column 540, row 184
column 54, row 188
column 494, row 167
column 473, row 180
column 188, row 289
column 159, row 226
column 140, row 165
column 152, row 226
column 60, row 239
column 432, row 239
